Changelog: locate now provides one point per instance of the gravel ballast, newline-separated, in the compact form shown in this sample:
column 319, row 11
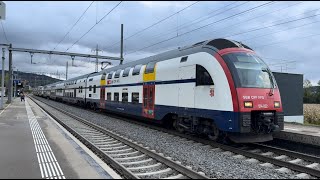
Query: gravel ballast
column 214, row 163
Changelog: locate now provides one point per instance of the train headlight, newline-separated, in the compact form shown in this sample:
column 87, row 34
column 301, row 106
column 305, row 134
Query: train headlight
column 248, row 104
column 277, row 104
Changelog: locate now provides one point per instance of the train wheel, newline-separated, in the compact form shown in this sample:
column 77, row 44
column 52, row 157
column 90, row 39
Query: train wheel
column 214, row 133
column 177, row 127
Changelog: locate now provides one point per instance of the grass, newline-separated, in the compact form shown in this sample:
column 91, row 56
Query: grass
column 311, row 113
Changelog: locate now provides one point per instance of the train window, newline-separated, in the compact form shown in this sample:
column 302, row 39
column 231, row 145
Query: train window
column 184, row 59
column 116, row 97
column 135, row 97
column 136, row 70
column 110, row 75
column 103, row 76
column 109, row 96
column 126, row 72
column 91, row 79
column 94, row 89
column 89, row 95
column 90, row 88
column 203, row 77
column 150, row 67
column 117, row 75
column 124, row 97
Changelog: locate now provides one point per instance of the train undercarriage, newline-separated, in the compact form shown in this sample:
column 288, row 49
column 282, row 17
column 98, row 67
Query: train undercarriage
column 255, row 127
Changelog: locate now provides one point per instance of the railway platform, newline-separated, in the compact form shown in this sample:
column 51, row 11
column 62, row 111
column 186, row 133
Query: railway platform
column 33, row 146
column 306, row 134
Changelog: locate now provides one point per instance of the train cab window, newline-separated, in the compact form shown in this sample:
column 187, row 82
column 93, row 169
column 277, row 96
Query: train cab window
column 136, row 70
column 135, row 98
column 203, row 77
column 90, row 88
column 116, row 97
column 110, row 75
column 109, row 96
column 94, row 89
column 150, row 67
column 126, row 72
column 91, row 79
column 117, row 75
column 184, row 59
column 124, row 97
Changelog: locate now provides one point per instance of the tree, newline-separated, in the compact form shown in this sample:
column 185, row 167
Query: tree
column 318, row 93
column 308, row 95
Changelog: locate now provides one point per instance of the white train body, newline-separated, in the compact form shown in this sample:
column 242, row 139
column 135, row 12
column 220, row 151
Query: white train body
column 193, row 88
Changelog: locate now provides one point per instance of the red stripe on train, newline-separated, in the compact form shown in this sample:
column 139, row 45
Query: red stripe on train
column 230, row 81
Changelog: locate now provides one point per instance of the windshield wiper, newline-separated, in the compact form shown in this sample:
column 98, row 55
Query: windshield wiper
column 271, row 79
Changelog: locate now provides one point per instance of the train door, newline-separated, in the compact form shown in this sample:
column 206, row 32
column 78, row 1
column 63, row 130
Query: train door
column 148, row 100
column 103, row 91
column 149, row 77
column 186, row 96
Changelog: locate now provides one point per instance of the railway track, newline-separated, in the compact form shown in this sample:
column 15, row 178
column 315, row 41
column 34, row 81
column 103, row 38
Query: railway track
column 281, row 159
column 129, row 158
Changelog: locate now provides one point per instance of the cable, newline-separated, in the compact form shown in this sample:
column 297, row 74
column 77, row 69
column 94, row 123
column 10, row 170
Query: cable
column 286, row 41
column 94, row 25
column 277, row 10
column 4, row 32
column 236, row 34
column 261, row 15
column 248, row 10
column 306, row 24
column 185, row 25
column 193, row 21
column 154, row 24
column 73, row 25
column 239, row 32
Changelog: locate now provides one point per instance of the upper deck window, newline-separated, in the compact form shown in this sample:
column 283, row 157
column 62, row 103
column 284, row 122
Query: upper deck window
column 136, row 70
column 184, row 59
column 117, row 75
column 110, row 75
column 150, row 67
column 126, row 72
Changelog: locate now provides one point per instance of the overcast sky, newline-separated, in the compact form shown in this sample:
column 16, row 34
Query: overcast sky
column 285, row 34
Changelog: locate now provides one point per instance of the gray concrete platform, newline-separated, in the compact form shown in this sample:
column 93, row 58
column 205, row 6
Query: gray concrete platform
column 33, row 146
column 300, row 133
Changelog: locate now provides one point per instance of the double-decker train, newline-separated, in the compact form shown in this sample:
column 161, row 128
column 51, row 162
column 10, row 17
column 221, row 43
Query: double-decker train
column 218, row 87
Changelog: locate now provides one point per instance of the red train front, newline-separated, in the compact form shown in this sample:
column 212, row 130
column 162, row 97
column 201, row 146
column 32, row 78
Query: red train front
column 255, row 95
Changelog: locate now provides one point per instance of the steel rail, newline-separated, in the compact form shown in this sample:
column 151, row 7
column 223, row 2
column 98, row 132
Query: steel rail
column 167, row 161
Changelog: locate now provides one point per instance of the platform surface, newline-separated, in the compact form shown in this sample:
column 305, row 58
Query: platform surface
column 300, row 133
column 302, row 129
column 32, row 146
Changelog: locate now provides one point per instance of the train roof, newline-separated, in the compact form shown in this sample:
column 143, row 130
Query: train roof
column 214, row 44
